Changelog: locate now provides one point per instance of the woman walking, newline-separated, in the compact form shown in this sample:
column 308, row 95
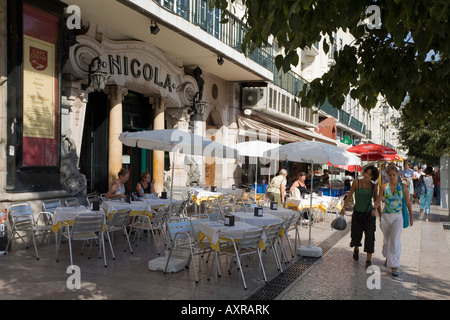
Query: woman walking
column 425, row 198
column 363, row 218
column 392, row 219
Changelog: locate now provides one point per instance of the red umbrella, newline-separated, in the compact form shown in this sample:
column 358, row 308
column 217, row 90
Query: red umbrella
column 391, row 157
column 372, row 151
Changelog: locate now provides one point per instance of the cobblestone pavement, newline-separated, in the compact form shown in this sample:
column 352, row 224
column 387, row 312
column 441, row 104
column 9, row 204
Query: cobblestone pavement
column 424, row 271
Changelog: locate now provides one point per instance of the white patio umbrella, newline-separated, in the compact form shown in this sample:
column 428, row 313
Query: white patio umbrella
column 313, row 152
column 175, row 140
column 254, row 148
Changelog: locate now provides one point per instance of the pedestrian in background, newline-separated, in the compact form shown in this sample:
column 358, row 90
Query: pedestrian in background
column 391, row 221
column 415, row 179
column 363, row 217
column 437, row 185
column 407, row 175
column 427, row 197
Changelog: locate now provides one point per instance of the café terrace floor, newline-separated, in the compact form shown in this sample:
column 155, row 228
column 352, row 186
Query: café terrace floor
column 128, row 276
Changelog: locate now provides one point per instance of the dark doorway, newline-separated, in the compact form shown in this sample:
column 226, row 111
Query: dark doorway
column 94, row 148
column 137, row 116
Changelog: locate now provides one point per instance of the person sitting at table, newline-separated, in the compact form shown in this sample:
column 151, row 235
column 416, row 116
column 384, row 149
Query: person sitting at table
column 325, row 178
column 117, row 189
column 276, row 190
column 146, row 185
column 299, row 184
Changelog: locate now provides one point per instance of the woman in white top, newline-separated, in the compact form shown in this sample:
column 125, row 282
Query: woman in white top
column 425, row 199
column 117, row 189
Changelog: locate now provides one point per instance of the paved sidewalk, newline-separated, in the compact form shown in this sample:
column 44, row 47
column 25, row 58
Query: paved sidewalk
column 424, row 271
column 424, row 274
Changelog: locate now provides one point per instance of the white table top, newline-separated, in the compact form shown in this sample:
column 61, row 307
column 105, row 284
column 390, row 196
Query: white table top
column 111, row 205
column 317, row 201
column 69, row 213
column 266, row 220
column 156, row 201
column 215, row 229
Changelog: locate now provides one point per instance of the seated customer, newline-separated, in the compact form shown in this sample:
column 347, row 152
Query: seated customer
column 117, row 190
column 300, row 185
column 146, row 185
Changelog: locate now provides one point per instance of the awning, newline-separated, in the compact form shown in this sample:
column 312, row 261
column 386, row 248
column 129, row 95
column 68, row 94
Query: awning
column 260, row 131
column 301, row 134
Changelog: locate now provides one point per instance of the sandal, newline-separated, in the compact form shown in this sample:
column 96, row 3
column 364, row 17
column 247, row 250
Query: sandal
column 356, row 255
column 368, row 263
column 394, row 272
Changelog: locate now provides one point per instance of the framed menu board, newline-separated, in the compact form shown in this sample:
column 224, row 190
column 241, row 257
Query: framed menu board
column 40, row 83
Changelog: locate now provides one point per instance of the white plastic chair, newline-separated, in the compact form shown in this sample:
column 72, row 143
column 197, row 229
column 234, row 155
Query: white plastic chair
column 332, row 208
column 271, row 234
column 22, row 220
column 142, row 222
column 72, row 202
column 214, row 214
column 118, row 221
column 182, row 236
column 86, row 227
column 290, row 223
column 247, row 246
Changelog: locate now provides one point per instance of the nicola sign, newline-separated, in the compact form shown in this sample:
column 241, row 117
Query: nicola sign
column 135, row 65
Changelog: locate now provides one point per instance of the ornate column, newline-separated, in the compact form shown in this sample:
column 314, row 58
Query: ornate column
column 116, row 95
column 185, row 168
column 158, row 156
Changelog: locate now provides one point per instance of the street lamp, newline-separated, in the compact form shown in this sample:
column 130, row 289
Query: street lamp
column 97, row 78
column 198, row 107
column 385, row 112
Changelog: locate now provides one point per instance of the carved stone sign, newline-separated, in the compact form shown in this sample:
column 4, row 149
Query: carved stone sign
column 135, row 65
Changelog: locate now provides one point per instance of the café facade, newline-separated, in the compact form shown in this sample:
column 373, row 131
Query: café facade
column 59, row 124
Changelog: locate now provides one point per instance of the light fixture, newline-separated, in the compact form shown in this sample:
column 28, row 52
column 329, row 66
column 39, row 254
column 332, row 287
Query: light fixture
column 220, row 60
column 97, row 78
column 385, row 109
column 154, row 29
column 198, row 107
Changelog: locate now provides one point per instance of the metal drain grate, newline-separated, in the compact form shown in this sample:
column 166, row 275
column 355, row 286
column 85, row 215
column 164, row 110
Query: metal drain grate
column 296, row 268
column 446, row 225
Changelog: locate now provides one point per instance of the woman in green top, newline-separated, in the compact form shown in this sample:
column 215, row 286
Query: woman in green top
column 363, row 221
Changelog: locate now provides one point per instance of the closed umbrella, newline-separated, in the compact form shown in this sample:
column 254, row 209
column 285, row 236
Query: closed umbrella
column 175, row 140
column 313, row 152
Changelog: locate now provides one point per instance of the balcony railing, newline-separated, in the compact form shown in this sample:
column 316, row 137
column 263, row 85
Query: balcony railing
column 231, row 33
column 344, row 117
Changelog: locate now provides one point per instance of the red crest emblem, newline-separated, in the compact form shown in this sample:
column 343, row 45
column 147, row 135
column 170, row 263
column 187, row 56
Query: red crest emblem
column 38, row 58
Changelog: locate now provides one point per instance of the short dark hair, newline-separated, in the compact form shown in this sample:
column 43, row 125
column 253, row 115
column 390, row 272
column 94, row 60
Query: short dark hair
column 373, row 171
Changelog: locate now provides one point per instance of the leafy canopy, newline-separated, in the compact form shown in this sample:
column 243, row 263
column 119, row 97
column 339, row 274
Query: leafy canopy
column 405, row 56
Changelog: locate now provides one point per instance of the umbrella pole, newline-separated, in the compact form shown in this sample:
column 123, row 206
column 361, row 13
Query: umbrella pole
column 256, row 178
column 309, row 251
column 171, row 182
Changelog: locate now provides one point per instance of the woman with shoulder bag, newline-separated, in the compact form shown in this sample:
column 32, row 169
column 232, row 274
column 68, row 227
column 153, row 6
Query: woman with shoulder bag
column 363, row 218
column 392, row 219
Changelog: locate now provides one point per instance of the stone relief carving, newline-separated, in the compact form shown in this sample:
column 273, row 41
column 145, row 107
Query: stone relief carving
column 193, row 170
column 72, row 180
column 177, row 117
